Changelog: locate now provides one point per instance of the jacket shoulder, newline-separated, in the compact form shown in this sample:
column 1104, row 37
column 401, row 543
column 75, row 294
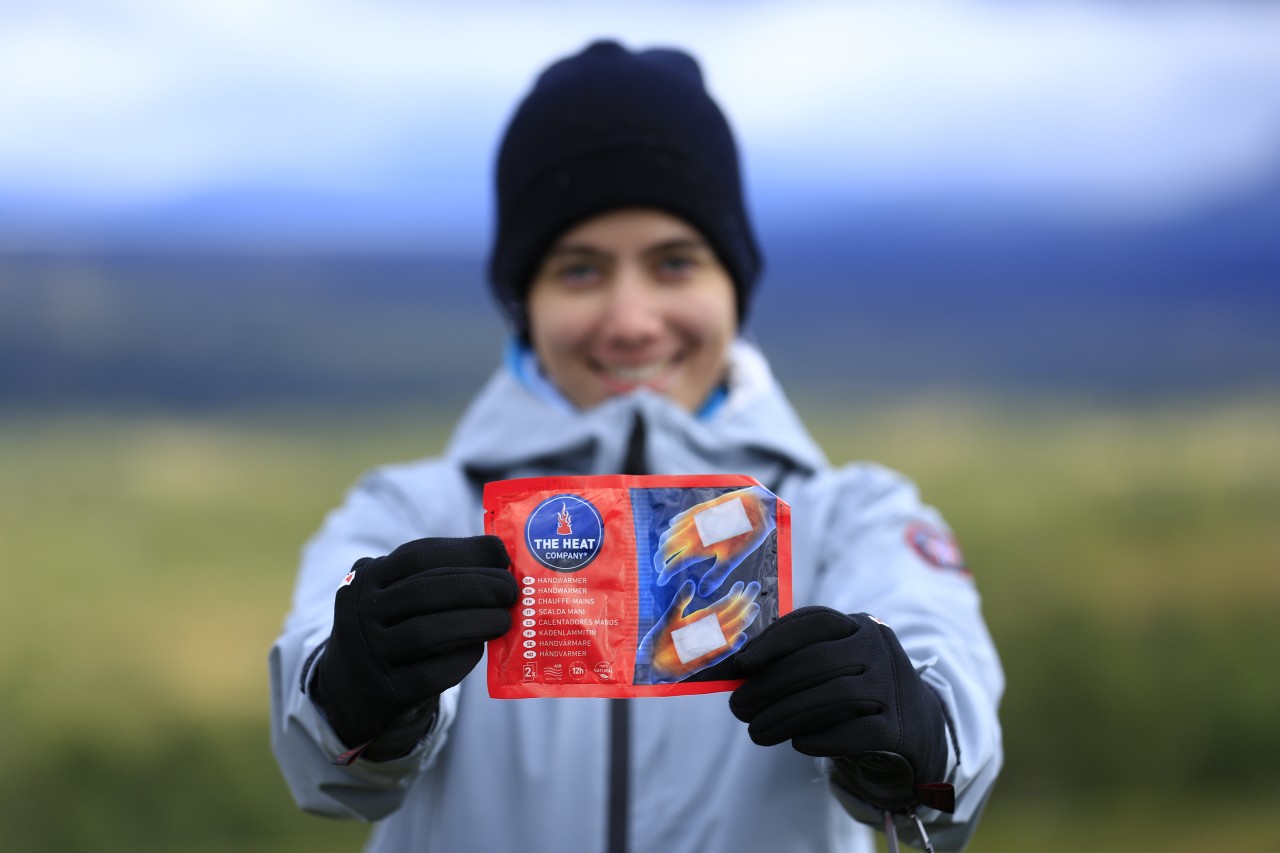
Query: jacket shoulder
column 865, row 514
column 429, row 493
column 867, row 492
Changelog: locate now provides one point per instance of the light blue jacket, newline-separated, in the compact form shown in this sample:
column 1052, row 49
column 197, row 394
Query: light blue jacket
column 532, row 774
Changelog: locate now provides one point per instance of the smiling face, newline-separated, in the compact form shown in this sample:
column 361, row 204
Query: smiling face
column 632, row 298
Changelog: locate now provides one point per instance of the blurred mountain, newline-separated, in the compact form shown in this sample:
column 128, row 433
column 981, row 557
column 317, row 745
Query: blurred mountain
column 853, row 303
column 205, row 330
column 1033, row 303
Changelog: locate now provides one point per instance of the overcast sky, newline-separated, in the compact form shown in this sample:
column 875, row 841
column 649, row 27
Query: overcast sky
column 1129, row 110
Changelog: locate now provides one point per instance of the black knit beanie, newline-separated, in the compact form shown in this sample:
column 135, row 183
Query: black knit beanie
column 607, row 129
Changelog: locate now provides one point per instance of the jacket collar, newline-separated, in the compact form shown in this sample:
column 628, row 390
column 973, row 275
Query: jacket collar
column 510, row 430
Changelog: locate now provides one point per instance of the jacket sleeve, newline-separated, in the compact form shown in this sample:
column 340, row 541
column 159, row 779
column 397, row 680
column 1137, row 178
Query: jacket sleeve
column 881, row 551
column 374, row 520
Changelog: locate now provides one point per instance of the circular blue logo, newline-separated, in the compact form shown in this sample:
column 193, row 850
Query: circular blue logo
column 564, row 533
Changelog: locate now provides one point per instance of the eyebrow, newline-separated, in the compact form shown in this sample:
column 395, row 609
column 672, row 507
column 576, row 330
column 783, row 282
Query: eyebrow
column 574, row 249
column 676, row 244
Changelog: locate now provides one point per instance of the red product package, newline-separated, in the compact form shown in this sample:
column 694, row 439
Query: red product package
column 635, row 585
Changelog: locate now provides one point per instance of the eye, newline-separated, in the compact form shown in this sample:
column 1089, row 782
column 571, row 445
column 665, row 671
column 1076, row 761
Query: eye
column 676, row 267
column 578, row 273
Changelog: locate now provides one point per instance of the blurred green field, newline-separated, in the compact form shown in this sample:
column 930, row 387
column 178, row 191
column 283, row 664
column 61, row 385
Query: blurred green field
column 1129, row 561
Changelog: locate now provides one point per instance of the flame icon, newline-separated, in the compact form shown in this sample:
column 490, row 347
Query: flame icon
column 565, row 527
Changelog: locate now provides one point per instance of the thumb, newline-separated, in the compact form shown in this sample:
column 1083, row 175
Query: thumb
column 714, row 576
column 684, row 595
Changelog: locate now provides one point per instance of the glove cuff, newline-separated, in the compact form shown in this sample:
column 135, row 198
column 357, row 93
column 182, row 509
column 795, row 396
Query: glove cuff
column 404, row 733
column 888, row 781
column 350, row 731
column 934, row 768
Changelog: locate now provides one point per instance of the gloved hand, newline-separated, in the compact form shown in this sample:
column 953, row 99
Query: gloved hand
column 842, row 686
column 407, row 627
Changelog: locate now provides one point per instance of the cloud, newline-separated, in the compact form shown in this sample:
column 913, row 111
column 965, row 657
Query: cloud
column 138, row 101
column 1068, row 99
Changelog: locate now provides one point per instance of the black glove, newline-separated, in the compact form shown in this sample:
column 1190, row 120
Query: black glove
column 406, row 628
column 842, row 686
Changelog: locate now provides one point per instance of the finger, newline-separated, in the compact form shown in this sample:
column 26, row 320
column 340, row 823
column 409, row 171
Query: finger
column 683, row 531
column 670, row 546
column 742, row 619
column 684, row 595
column 736, row 641
column 423, row 555
column 803, row 670
column 430, row 676
column 869, row 732
column 729, row 598
column 662, row 564
column 737, row 600
column 793, row 632
column 664, row 540
column 737, row 631
column 679, row 564
column 749, row 596
column 679, row 518
column 819, row 717
column 661, row 559
column 444, row 589
column 440, row 633
column 714, row 577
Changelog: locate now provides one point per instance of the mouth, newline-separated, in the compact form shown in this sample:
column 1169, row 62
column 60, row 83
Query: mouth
column 620, row 378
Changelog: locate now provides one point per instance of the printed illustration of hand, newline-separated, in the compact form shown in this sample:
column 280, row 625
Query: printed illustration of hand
column 679, row 645
column 407, row 627
column 842, row 686
column 727, row 528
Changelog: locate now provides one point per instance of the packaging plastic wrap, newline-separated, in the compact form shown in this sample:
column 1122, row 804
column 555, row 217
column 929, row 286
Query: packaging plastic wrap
column 635, row 585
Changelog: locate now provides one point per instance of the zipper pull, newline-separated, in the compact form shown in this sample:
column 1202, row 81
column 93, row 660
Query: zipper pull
column 890, row 832
column 924, row 836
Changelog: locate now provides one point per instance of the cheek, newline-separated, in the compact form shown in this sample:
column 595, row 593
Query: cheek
column 558, row 328
column 561, row 333
column 708, row 318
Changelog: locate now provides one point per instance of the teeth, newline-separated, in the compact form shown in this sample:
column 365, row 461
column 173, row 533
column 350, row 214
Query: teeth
column 637, row 374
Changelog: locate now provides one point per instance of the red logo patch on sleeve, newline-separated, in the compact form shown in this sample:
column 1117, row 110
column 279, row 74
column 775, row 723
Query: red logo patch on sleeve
column 936, row 547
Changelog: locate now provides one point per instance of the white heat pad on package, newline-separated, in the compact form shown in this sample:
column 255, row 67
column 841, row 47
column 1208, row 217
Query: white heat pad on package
column 697, row 638
column 721, row 522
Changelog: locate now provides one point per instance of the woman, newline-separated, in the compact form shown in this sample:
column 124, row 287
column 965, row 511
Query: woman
column 625, row 262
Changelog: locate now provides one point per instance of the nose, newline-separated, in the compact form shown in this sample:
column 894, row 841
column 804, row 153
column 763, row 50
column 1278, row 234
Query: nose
column 633, row 316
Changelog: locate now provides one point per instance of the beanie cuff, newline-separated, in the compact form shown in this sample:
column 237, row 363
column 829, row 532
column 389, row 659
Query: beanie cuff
column 625, row 173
